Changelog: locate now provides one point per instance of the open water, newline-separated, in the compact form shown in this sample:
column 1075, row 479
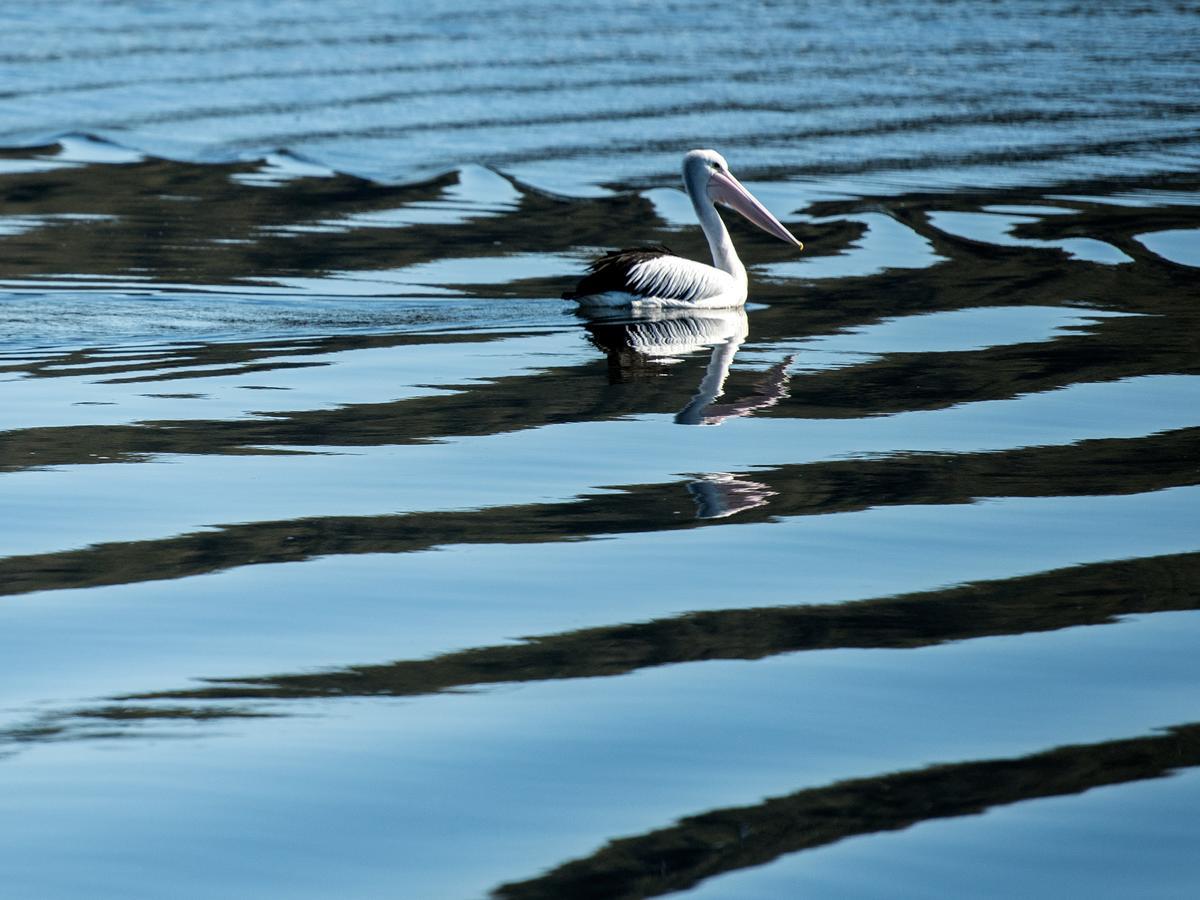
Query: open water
column 340, row 558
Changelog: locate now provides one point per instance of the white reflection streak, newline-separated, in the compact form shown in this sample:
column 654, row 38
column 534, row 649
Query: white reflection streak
column 721, row 494
column 768, row 390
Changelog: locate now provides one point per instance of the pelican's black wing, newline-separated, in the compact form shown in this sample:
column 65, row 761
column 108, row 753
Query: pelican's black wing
column 611, row 272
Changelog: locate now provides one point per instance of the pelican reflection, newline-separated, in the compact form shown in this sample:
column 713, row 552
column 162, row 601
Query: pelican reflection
column 719, row 495
column 650, row 341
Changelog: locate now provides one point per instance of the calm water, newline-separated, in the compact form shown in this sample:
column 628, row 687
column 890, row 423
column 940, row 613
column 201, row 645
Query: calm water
column 339, row 557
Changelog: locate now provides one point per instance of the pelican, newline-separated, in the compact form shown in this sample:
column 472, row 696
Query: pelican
column 654, row 277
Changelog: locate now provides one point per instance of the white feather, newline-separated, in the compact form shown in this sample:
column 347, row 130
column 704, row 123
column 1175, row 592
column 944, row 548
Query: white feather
column 674, row 281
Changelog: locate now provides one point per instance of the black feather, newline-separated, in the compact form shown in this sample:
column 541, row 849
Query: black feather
column 611, row 271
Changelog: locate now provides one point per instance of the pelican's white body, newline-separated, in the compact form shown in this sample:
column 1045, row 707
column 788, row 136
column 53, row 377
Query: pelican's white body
column 676, row 283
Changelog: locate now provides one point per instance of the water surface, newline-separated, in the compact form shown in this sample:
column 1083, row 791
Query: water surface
column 340, row 557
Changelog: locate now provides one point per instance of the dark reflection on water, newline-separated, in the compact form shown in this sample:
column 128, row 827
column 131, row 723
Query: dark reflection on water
column 725, row 840
column 218, row 375
column 1085, row 468
column 1043, row 602
column 699, row 847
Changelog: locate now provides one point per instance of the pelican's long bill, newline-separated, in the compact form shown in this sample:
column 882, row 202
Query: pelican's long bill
column 724, row 188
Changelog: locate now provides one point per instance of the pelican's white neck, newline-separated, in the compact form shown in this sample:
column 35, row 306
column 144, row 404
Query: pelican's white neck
column 725, row 258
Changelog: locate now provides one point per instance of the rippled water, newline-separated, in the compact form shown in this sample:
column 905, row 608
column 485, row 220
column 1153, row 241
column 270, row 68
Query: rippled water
column 340, row 557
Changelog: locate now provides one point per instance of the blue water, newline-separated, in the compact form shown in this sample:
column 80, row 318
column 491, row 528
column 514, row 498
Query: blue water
column 340, row 557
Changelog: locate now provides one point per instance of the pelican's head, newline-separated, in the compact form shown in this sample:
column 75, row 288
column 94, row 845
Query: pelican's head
column 706, row 174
